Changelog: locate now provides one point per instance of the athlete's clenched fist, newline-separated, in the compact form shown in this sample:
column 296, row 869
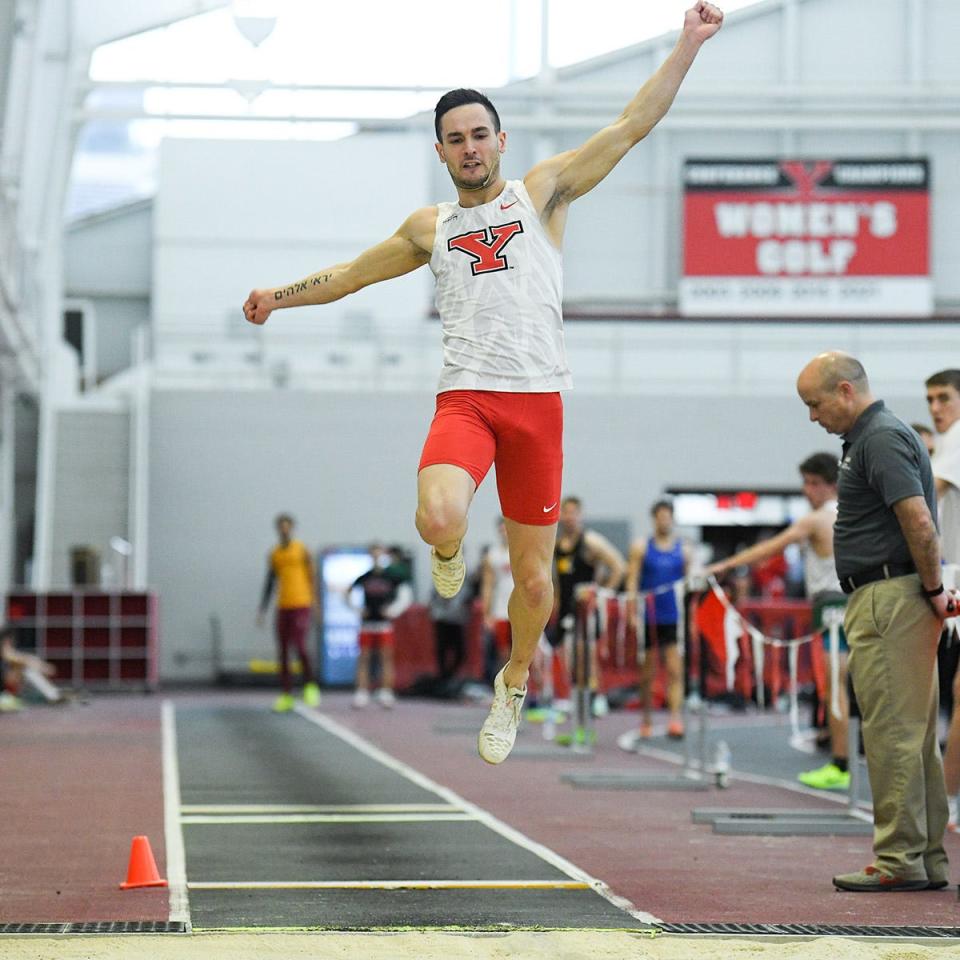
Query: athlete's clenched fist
column 702, row 21
column 258, row 306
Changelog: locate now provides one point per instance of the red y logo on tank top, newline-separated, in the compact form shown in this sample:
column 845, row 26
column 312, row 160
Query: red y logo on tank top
column 486, row 246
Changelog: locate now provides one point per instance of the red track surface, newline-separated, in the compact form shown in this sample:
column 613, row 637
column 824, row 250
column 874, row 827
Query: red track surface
column 79, row 782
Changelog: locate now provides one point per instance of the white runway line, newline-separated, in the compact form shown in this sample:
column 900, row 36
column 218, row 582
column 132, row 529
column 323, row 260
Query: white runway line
column 329, row 818
column 392, row 885
column 234, row 809
column 498, row 826
column 173, row 832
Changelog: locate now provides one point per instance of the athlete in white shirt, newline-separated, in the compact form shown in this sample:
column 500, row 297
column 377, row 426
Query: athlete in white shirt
column 943, row 399
column 814, row 532
column 496, row 257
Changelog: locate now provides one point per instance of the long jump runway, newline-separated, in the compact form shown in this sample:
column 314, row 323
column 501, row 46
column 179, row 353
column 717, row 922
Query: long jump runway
column 296, row 822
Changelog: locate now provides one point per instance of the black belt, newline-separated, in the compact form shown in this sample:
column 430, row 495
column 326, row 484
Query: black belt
column 884, row 572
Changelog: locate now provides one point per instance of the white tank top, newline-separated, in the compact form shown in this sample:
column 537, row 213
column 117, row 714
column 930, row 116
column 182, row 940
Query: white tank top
column 820, row 573
column 499, row 292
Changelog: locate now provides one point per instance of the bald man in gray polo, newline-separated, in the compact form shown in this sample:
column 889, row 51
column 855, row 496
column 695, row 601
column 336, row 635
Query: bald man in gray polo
column 888, row 560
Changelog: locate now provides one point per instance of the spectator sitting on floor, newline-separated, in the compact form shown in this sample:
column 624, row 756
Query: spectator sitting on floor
column 19, row 669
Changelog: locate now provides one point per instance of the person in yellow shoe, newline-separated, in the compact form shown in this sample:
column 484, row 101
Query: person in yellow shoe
column 291, row 568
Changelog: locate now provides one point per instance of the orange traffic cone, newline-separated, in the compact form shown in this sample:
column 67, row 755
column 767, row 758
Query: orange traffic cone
column 142, row 869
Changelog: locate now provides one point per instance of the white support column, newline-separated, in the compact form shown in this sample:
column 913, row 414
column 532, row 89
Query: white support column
column 59, row 68
column 42, row 568
column 664, row 181
column 545, row 144
column 790, row 44
column 18, row 93
column 139, row 483
column 7, row 452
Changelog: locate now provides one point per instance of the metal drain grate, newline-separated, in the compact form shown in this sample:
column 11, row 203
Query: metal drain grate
column 99, row 926
column 807, row 930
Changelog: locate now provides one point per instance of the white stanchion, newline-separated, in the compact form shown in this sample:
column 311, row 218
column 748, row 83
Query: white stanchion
column 793, row 657
column 834, row 638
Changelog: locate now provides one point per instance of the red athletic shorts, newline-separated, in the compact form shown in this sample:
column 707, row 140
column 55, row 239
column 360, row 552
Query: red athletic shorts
column 373, row 635
column 521, row 433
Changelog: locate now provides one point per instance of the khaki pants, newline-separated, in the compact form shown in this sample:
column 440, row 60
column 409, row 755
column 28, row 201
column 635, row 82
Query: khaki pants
column 893, row 635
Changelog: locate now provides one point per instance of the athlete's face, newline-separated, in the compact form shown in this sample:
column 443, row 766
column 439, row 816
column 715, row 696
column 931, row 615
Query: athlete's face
column 817, row 490
column 284, row 529
column 663, row 522
column 944, row 404
column 471, row 147
column 570, row 518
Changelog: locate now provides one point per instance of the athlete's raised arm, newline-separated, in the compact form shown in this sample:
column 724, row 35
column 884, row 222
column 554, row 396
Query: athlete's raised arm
column 561, row 179
column 410, row 247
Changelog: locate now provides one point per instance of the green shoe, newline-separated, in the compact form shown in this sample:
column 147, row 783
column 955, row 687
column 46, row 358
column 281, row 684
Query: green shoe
column 544, row 715
column 827, row 777
column 580, row 737
column 284, row 703
column 311, row 695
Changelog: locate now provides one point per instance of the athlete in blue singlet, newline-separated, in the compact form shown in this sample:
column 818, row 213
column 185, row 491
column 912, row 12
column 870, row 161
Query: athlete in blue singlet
column 655, row 564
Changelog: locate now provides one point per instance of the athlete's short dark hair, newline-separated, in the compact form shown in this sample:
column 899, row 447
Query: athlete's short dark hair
column 459, row 98
column 945, row 378
column 576, row 501
column 284, row 517
column 822, row 465
column 661, row 505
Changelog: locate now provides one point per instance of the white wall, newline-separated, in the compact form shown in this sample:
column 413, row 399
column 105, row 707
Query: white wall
column 109, row 254
column 223, row 465
column 90, row 481
column 344, row 464
column 233, row 216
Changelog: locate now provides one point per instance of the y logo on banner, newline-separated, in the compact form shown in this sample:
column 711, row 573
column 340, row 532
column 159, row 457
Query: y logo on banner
column 806, row 177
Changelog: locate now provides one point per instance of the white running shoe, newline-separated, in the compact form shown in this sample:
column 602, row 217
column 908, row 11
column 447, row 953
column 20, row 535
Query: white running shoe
column 385, row 698
column 448, row 575
column 600, row 706
column 361, row 698
column 499, row 730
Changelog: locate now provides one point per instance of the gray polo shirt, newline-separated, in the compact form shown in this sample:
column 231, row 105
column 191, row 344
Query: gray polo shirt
column 883, row 462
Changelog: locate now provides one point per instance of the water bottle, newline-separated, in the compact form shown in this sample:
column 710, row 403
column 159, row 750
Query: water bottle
column 721, row 764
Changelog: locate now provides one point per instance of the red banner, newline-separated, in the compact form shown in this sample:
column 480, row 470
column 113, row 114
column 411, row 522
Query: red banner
column 783, row 237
